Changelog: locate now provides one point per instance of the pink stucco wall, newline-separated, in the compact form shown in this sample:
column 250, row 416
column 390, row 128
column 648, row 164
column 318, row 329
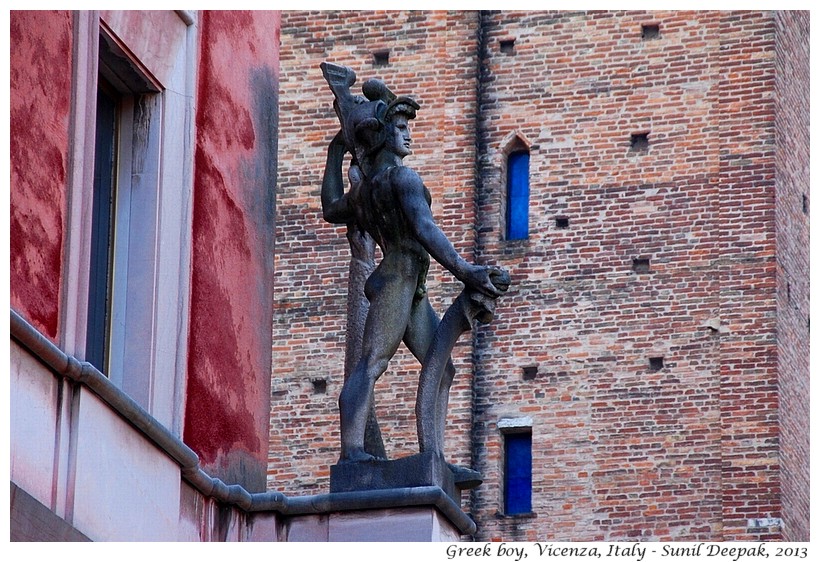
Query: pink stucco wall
column 40, row 72
column 228, row 394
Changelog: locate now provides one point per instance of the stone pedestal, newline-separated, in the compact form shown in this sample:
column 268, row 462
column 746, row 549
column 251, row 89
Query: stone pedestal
column 423, row 469
column 403, row 524
column 413, row 499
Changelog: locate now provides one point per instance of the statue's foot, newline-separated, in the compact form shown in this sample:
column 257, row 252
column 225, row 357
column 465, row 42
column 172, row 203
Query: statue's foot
column 465, row 478
column 357, row 455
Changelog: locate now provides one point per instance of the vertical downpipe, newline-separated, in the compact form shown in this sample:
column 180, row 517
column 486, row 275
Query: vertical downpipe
column 481, row 71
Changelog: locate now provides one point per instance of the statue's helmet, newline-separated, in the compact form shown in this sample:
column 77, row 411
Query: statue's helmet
column 366, row 124
column 403, row 105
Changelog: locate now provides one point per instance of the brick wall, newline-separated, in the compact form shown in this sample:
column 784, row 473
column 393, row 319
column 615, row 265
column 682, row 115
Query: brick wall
column 622, row 449
column 792, row 226
column 748, row 362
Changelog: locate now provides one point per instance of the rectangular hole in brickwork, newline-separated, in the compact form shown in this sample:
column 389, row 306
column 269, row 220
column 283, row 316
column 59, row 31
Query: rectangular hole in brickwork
column 639, row 142
column 650, row 31
column 507, row 46
column 805, row 204
column 381, row 58
column 517, row 484
column 319, row 386
column 529, row 373
column 640, row 265
column 561, row 222
column 655, row 363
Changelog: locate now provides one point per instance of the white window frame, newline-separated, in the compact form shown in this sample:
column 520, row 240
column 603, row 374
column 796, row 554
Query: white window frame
column 152, row 240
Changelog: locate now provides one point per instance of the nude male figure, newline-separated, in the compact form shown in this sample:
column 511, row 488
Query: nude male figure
column 389, row 201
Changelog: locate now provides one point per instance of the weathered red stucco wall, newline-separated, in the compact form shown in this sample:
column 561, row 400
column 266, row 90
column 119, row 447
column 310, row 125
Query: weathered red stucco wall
column 228, row 396
column 40, row 76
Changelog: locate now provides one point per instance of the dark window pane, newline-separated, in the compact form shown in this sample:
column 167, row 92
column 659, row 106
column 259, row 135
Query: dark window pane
column 518, row 195
column 517, row 473
column 101, row 231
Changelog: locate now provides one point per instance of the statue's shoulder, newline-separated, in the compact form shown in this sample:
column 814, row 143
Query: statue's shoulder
column 403, row 177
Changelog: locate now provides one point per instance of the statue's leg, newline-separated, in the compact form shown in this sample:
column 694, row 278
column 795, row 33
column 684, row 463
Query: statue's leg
column 437, row 371
column 436, row 377
column 419, row 337
column 362, row 265
column 387, row 319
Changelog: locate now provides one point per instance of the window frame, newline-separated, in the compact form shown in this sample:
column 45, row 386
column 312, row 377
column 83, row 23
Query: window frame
column 152, row 237
column 512, row 428
column 514, row 146
column 104, row 201
column 522, row 438
column 518, row 195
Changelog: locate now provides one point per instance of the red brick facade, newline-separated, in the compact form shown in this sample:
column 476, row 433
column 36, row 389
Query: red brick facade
column 792, row 227
column 717, row 204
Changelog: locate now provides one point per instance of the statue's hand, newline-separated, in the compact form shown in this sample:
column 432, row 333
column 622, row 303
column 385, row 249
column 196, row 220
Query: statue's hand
column 490, row 280
column 500, row 278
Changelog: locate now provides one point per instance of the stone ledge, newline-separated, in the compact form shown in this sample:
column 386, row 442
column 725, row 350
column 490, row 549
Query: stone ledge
column 381, row 499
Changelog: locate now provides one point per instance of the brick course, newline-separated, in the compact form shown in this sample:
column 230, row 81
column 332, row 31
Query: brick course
column 620, row 450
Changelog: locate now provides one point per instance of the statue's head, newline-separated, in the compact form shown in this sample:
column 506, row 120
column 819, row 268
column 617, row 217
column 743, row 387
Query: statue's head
column 371, row 123
column 377, row 124
column 396, row 121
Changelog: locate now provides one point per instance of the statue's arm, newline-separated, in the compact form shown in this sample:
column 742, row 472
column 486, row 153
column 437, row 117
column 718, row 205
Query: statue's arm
column 410, row 191
column 335, row 204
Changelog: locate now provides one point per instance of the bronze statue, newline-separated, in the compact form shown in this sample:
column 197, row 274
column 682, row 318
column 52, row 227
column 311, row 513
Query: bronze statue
column 388, row 202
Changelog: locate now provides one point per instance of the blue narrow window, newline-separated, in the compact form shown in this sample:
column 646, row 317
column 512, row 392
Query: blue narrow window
column 517, row 473
column 518, row 195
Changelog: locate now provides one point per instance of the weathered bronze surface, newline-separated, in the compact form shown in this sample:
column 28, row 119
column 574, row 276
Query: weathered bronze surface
column 387, row 203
